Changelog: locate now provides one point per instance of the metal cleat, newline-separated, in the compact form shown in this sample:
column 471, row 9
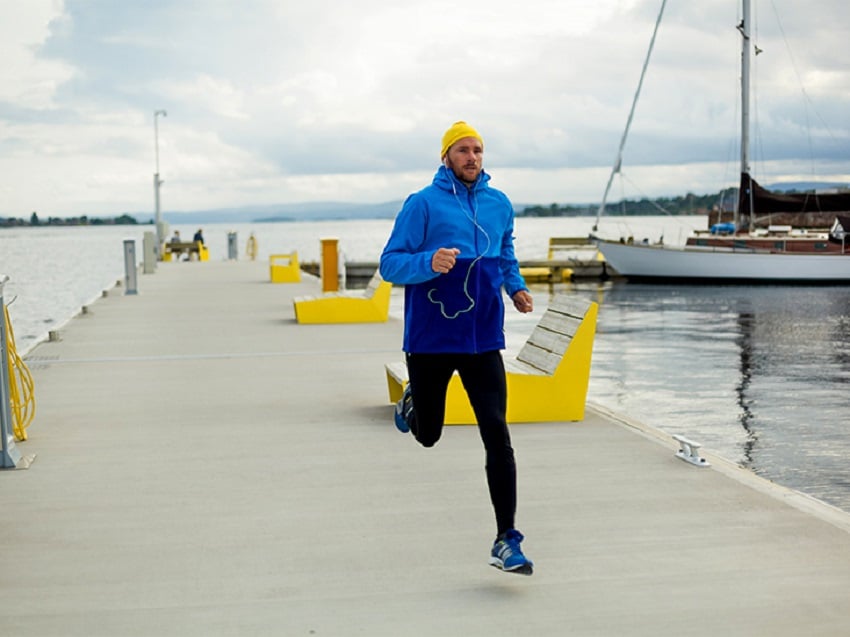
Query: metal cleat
column 689, row 452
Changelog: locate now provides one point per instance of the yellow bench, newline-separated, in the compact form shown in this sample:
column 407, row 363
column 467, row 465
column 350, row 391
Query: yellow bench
column 284, row 268
column 548, row 378
column 570, row 245
column 371, row 305
column 174, row 249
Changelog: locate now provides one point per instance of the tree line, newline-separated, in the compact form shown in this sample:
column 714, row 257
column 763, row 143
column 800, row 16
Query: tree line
column 84, row 220
column 689, row 204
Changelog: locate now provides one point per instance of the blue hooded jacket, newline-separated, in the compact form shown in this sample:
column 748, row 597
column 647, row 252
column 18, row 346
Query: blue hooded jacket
column 461, row 311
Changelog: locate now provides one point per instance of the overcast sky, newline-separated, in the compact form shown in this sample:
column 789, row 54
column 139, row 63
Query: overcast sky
column 278, row 101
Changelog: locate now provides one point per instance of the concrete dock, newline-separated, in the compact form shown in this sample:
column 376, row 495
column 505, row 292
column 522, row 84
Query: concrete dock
column 206, row 466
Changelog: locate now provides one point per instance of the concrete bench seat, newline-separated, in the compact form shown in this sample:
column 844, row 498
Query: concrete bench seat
column 548, row 378
column 371, row 305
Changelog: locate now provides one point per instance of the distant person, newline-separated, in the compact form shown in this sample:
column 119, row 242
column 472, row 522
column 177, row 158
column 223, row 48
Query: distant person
column 452, row 248
column 176, row 248
column 199, row 237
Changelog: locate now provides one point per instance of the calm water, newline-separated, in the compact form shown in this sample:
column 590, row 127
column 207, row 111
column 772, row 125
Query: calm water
column 757, row 374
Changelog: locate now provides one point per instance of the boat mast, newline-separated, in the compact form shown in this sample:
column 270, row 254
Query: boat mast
column 745, row 199
column 619, row 160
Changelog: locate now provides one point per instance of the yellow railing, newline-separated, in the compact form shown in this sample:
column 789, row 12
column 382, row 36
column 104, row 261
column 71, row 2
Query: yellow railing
column 21, row 396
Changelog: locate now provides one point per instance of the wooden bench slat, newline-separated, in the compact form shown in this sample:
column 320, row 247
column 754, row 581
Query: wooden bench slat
column 559, row 323
column 547, row 339
column 398, row 370
column 570, row 241
column 545, row 359
column 571, row 305
column 516, row 366
column 374, row 284
column 541, row 359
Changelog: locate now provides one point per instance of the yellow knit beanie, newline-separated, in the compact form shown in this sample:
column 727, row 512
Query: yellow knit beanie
column 458, row 130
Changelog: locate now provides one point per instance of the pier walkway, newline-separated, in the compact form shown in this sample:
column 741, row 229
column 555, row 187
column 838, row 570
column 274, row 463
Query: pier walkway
column 206, row 466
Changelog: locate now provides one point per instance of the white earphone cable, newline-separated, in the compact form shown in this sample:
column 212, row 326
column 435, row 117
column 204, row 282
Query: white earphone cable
column 473, row 219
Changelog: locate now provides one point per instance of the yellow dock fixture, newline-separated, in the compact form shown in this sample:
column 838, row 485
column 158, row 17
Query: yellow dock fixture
column 330, row 265
column 284, row 268
column 570, row 246
column 251, row 248
column 192, row 250
column 371, row 305
column 21, row 391
column 548, row 379
column 546, row 274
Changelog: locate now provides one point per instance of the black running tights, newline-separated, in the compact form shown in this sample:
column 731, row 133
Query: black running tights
column 483, row 377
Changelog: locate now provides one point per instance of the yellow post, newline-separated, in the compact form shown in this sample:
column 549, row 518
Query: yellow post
column 330, row 265
column 251, row 247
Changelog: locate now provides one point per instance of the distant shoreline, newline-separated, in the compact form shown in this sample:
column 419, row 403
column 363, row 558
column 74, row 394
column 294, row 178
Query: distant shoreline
column 35, row 222
column 683, row 205
column 196, row 218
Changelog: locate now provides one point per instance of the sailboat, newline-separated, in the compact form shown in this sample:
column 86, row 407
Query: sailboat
column 774, row 238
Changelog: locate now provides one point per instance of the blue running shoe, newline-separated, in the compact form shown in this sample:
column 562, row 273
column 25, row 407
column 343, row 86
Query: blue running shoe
column 507, row 556
column 403, row 411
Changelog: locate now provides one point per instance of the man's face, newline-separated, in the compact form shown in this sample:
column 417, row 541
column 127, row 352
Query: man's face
column 465, row 158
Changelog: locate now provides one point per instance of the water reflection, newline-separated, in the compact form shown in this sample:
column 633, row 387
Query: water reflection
column 746, row 321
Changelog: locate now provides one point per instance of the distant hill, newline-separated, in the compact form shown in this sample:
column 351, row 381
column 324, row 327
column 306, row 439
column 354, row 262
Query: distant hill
column 806, row 186
column 313, row 211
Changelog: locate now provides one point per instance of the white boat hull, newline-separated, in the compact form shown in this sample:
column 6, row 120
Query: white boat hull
column 638, row 261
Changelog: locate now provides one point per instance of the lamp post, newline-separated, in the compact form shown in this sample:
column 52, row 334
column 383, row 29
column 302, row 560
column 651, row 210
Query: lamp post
column 157, row 182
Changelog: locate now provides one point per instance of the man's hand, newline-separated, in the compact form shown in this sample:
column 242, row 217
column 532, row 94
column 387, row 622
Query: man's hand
column 523, row 301
column 444, row 259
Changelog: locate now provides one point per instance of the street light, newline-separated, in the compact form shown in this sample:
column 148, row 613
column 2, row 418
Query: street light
column 157, row 182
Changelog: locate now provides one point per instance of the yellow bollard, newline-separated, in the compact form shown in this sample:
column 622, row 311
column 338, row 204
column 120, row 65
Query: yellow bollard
column 251, row 247
column 330, row 265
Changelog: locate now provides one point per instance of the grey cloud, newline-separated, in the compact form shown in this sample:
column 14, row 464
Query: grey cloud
column 296, row 88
